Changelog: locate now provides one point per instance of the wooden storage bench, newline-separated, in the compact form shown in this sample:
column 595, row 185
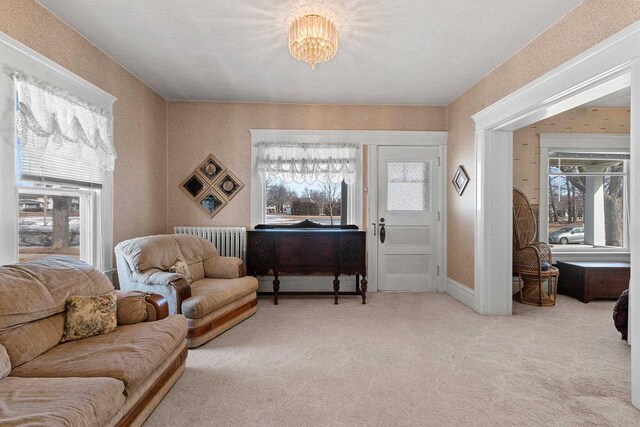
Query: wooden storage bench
column 591, row 280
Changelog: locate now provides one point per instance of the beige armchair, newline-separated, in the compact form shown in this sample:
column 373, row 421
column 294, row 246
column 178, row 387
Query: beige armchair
column 219, row 296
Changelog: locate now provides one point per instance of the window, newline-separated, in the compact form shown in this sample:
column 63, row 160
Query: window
column 306, row 181
column 586, row 200
column 288, row 203
column 57, row 159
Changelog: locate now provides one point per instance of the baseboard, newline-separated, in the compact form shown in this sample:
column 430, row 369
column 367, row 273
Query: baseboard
column 460, row 292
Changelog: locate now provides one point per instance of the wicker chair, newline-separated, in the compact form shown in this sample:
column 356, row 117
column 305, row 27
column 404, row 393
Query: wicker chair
column 532, row 261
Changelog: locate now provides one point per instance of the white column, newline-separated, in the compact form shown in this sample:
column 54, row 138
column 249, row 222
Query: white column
column 594, row 212
column 634, row 233
column 493, row 231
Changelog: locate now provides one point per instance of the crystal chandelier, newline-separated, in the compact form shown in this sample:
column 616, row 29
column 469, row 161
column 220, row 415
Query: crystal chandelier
column 313, row 39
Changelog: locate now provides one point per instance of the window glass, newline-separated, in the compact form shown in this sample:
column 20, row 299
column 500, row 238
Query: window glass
column 587, row 199
column 288, row 203
column 48, row 225
column 408, row 186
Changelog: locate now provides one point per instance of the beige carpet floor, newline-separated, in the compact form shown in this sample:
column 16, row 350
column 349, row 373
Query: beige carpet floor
column 407, row 359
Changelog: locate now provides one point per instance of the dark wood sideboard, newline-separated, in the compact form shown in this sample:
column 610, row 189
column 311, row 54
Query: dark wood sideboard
column 308, row 248
column 590, row 280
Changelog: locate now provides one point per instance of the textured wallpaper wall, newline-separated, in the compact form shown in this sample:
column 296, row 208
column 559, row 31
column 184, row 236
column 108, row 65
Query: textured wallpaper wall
column 588, row 24
column 196, row 129
column 139, row 115
column 526, row 143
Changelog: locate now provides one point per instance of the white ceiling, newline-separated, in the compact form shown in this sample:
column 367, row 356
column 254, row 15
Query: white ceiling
column 391, row 51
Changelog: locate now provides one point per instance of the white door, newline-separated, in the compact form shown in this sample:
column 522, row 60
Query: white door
column 408, row 213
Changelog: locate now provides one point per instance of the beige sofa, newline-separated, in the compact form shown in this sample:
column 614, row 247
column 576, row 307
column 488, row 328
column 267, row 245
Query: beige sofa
column 219, row 297
column 115, row 379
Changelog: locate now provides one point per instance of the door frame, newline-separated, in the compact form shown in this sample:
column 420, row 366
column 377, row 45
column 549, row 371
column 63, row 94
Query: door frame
column 610, row 65
column 372, row 139
column 372, row 210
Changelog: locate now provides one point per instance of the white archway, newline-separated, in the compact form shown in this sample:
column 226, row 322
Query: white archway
column 609, row 66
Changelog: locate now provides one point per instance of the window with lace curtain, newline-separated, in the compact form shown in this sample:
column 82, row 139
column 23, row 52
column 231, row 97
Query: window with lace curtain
column 59, row 148
column 306, row 181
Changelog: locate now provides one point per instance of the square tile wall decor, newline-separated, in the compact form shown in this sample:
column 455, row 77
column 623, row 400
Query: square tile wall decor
column 211, row 186
column 229, row 185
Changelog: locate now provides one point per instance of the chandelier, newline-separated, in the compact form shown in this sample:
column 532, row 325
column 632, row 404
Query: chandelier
column 313, row 39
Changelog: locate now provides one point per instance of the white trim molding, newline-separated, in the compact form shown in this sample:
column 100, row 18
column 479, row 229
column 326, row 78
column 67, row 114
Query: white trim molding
column 461, row 292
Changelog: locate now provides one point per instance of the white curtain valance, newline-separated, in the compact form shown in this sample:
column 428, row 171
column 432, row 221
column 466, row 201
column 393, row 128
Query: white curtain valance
column 307, row 163
column 49, row 119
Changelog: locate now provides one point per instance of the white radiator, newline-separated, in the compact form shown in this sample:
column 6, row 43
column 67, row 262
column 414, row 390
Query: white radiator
column 230, row 241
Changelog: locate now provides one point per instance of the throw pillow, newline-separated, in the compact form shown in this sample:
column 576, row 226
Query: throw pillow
column 5, row 362
column 132, row 307
column 87, row 316
column 180, row 267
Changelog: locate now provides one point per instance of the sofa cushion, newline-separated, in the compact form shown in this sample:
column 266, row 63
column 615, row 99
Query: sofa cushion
column 59, row 401
column 180, row 267
column 148, row 252
column 129, row 354
column 194, row 248
column 32, row 339
column 5, row 362
column 44, row 287
column 87, row 316
column 132, row 307
column 208, row 295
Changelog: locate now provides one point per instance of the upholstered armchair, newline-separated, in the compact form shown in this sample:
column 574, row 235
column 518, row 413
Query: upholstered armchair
column 218, row 297
column 532, row 261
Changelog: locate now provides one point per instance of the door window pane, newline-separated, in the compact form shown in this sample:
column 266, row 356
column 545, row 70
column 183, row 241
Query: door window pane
column 408, row 186
column 48, row 225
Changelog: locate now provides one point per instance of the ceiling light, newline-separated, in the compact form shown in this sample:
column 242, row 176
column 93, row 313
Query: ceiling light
column 313, row 39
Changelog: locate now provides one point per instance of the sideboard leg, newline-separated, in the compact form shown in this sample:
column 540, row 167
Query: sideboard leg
column 276, row 288
column 336, row 288
column 363, row 289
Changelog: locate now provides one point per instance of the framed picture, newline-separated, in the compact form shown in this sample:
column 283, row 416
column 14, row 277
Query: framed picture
column 211, row 168
column 194, row 186
column 460, row 180
column 228, row 185
column 211, row 202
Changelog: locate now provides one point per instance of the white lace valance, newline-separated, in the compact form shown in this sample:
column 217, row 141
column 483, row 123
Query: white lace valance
column 50, row 119
column 307, row 163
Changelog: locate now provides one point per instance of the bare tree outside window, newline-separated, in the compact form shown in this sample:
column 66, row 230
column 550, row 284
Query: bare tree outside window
column 48, row 225
column 579, row 211
column 288, row 203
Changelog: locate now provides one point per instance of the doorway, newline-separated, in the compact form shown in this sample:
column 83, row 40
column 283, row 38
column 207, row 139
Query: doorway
column 408, row 212
column 606, row 68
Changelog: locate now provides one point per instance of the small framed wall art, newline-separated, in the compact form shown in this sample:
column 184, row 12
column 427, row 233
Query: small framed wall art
column 460, row 180
column 211, row 186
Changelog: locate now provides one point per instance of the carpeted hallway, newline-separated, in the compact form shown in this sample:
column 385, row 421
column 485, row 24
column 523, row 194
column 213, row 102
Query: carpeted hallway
column 407, row 359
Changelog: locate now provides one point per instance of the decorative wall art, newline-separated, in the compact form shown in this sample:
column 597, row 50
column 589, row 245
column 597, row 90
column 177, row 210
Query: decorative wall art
column 460, row 180
column 211, row 186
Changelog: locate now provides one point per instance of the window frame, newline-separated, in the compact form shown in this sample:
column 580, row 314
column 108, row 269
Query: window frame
column 15, row 55
column 586, row 143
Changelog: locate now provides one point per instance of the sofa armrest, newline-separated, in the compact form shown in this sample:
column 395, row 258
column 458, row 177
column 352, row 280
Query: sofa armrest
column 222, row 267
column 157, row 307
column 182, row 291
column 155, row 276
